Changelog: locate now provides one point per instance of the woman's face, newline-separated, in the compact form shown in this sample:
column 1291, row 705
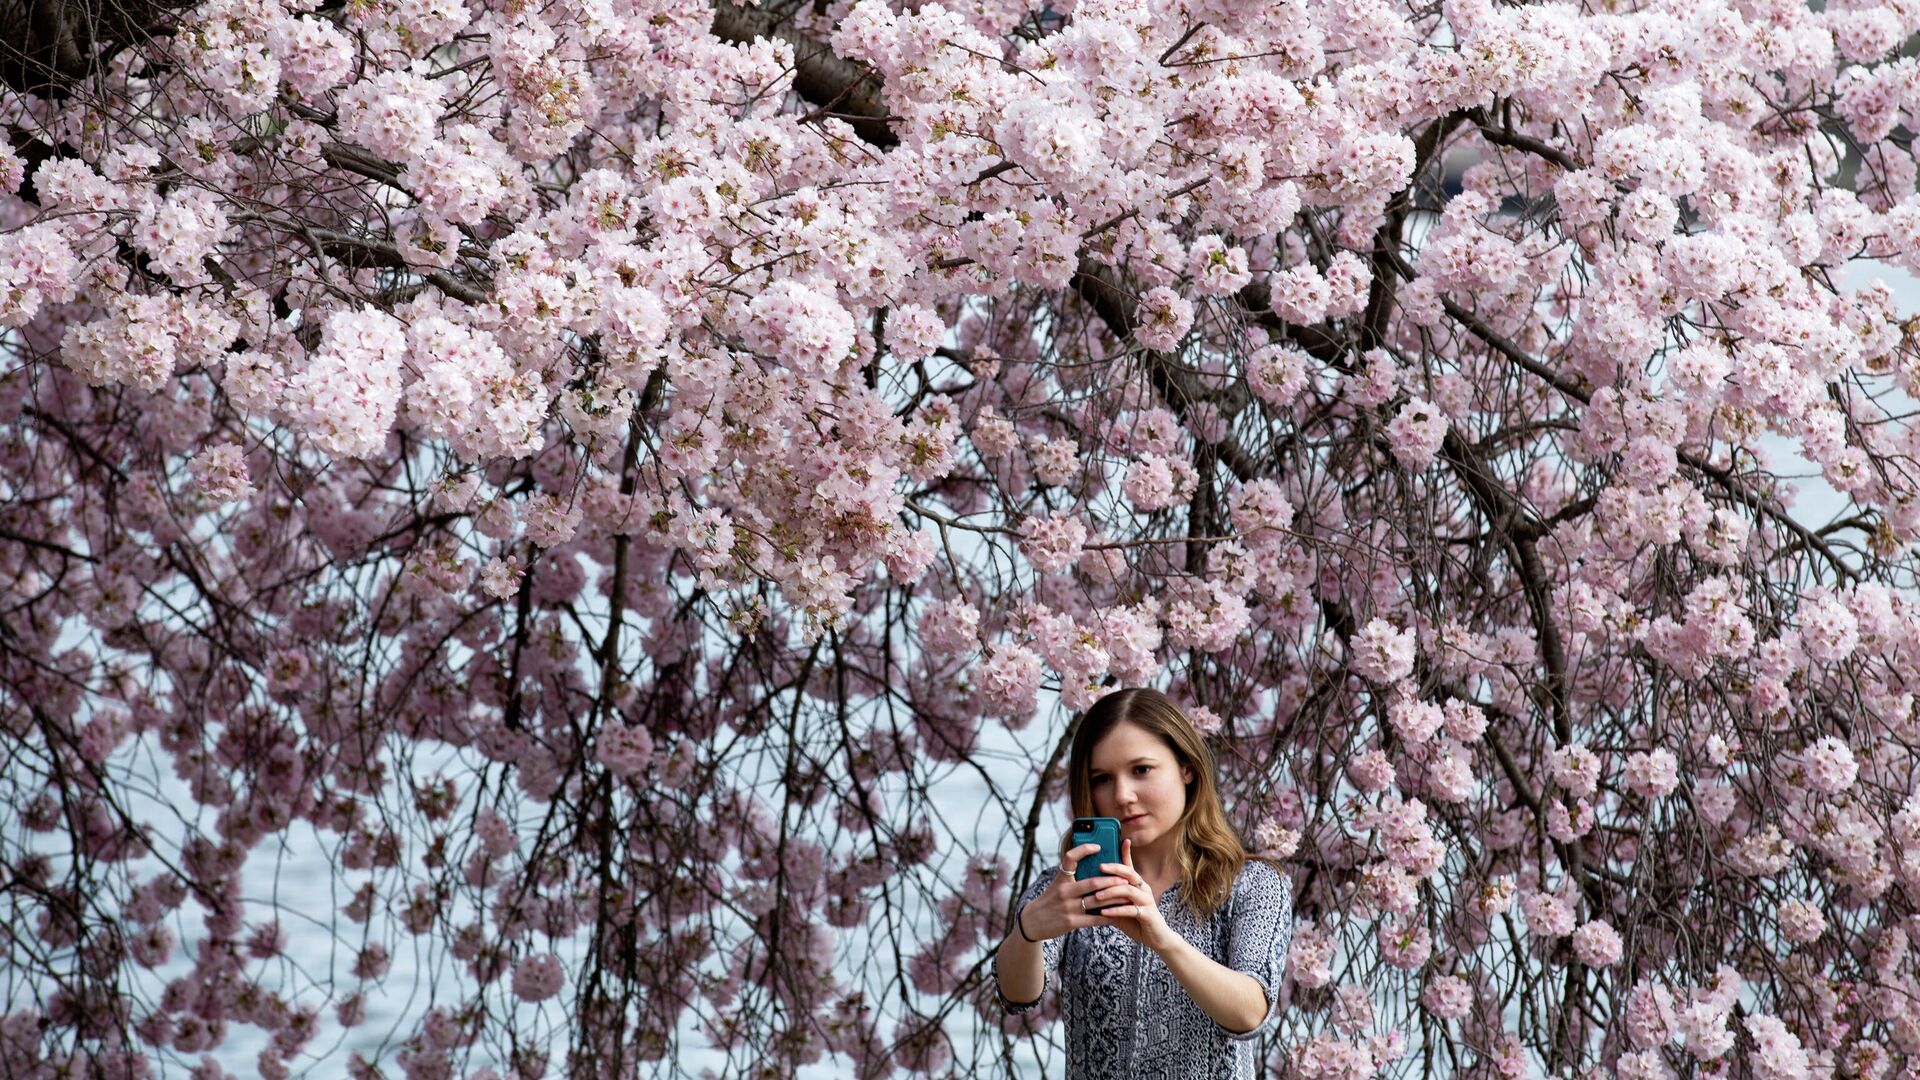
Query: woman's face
column 1134, row 776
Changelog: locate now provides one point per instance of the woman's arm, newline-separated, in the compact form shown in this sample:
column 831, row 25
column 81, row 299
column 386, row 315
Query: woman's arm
column 1050, row 908
column 1238, row 994
column 1021, row 969
column 1233, row 998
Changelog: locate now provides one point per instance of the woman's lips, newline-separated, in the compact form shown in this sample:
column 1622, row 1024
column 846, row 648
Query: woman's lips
column 1134, row 820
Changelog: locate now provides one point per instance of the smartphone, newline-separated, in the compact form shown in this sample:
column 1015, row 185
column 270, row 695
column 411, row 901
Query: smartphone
column 1104, row 831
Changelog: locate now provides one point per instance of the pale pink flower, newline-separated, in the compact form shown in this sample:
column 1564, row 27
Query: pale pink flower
column 347, row 397
column 1494, row 897
column 1652, row 774
column 1383, row 654
column 1777, row 1053
column 1704, row 1025
column 1052, row 542
column 551, row 519
column 1162, row 319
column 1415, row 721
column 624, row 749
column 1465, row 722
column 392, row 113
column 1415, row 433
column 1275, row 839
column 994, row 435
column 1259, row 506
column 1006, row 683
column 908, row 553
column 1348, row 280
column 220, row 472
column 801, row 327
column 179, row 232
column 1405, row 945
column 501, row 577
column 1547, row 915
column 1576, row 769
column 1060, row 144
column 538, row 977
column 1829, row 765
column 1300, row 295
column 949, row 628
column 1325, row 1057
column 1277, row 373
column 1371, row 771
column 1448, row 997
column 1055, row 461
column 314, row 55
column 914, row 332
column 1643, row 1065
column 1828, row 630
column 1649, row 1015
column 1217, row 268
column 1451, row 776
column 371, row 962
column 1800, row 921
column 37, row 266
column 1597, row 944
column 1155, row 482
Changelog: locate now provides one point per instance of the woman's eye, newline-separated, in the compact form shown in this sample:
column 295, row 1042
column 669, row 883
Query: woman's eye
column 1144, row 769
column 1098, row 780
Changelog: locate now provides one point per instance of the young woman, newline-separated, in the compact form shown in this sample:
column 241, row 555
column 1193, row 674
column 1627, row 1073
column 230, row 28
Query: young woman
column 1178, row 976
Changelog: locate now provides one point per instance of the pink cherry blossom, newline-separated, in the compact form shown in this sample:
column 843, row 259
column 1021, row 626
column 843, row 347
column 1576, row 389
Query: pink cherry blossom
column 501, row 577
column 538, row 977
column 347, row 395
column 1053, row 542
column 1277, row 374
column 1415, row 433
column 1415, row 721
column 221, row 473
column 1163, row 318
column 1007, row 682
column 1597, row 944
column 392, row 114
column 1447, row 997
column 1383, row 653
column 949, row 628
column 1777, row 1052
column 1652, row 774
column 625, row 750
column 1800, row 921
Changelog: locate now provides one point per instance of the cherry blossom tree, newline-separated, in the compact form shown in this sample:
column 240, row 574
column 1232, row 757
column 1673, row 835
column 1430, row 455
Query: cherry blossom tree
column 593, row 469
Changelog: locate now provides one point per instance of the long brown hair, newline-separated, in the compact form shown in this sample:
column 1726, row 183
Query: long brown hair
column 1210, row 852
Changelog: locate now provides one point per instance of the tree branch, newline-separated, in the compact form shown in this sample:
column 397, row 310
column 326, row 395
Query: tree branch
column 839, row 87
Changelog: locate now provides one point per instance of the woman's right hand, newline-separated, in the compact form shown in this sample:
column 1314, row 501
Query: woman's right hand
column 1058, row 908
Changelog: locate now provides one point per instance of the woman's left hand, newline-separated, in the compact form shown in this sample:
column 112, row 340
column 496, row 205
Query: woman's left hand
column 1137, row 915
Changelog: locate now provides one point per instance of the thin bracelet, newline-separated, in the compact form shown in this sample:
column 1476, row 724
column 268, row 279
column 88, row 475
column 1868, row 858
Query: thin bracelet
column 1022, row 926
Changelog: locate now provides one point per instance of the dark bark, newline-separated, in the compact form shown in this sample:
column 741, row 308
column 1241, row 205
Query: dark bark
column 49, row 46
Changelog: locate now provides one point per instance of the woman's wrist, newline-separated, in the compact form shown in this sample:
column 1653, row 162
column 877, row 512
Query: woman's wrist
column 1020, row 924
column 1163, row 939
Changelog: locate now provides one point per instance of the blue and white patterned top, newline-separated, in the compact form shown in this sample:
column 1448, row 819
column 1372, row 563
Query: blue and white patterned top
column 1128, row 1017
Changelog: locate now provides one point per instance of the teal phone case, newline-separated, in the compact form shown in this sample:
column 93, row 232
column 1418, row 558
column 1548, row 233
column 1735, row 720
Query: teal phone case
column 1104, row 831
